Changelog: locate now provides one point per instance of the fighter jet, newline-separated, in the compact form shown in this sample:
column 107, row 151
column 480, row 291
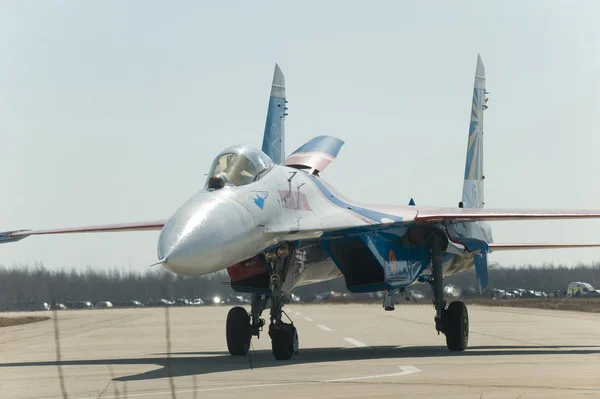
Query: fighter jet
column 274, row 224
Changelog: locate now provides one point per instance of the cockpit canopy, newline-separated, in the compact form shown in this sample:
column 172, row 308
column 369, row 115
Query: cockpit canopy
column 238, row 166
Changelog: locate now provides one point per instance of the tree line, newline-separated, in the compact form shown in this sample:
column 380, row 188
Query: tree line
column 547, row 278
column 36, row 284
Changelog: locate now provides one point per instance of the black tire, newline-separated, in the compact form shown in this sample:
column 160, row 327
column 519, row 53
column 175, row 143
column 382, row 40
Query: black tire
column 284, row 341
column 456, row 326
column 238, row 331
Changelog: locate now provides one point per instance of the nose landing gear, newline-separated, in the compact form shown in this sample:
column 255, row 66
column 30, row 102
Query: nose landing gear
column 241, row 326
column 284, row 336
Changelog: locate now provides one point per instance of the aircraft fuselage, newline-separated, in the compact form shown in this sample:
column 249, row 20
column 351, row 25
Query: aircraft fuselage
column 219, row 228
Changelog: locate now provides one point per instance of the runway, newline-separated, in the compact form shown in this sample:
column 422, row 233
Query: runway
column 346, row 351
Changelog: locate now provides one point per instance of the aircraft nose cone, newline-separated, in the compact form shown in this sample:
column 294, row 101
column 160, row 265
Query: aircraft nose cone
column 205, row 235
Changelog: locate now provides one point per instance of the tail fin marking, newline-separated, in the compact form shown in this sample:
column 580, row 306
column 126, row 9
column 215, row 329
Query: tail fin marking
column 274, row 137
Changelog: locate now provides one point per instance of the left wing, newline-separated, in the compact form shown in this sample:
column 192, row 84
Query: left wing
column 16, row 235
column 480, row 214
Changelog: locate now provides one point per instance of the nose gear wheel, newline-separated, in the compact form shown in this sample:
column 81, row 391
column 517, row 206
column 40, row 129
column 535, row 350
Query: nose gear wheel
column 238, row 331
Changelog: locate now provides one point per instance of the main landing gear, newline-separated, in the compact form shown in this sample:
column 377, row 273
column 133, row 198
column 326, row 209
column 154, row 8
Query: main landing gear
column 241, row 326
column 452, row 321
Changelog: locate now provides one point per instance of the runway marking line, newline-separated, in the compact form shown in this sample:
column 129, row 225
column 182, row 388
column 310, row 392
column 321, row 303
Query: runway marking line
column 308, row 319
column 298, row 314
column 129, row 395
column 324, row 328
column 356, row 342
column 406, row 370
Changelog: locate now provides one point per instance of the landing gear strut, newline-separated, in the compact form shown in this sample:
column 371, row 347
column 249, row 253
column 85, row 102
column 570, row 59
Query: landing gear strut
column 284, row 336
column 453, row 321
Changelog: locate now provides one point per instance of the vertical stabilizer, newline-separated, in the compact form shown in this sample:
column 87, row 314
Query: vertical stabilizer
column 473, row 185
column 274, row 137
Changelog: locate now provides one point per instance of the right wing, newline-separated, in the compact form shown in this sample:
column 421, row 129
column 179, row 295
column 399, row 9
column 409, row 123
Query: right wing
column 518, row 247
column 16, row 235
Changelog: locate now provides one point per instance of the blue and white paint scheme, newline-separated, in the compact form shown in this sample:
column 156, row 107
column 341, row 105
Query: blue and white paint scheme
column 274, row 224
column 473, row 184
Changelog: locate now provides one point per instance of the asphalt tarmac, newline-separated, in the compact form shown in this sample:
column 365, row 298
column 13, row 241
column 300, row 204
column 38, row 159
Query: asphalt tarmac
column 346, row 351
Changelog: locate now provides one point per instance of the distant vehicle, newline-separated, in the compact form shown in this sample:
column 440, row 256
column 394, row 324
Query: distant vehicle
column 517, row 292
column 240, row 299
column 104, row 304
column 323, row 296
column 197, row 302
column 159, row 302
column 502, row 294
column 577, row 288
column 415, row 294
column 81, row 305
column 452, row 291
column 182, row 302
column 133, row 303
column 560, row 293
column 59, row 306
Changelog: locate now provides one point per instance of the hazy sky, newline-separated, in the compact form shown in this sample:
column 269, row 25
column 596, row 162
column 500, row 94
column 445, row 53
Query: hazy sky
column 112, row 111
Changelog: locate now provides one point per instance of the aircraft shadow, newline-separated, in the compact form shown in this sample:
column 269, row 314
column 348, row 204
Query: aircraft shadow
column 198, row 363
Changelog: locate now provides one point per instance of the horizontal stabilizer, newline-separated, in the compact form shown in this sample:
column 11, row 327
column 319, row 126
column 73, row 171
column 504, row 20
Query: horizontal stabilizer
column 316, row 154
column 519, row 247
